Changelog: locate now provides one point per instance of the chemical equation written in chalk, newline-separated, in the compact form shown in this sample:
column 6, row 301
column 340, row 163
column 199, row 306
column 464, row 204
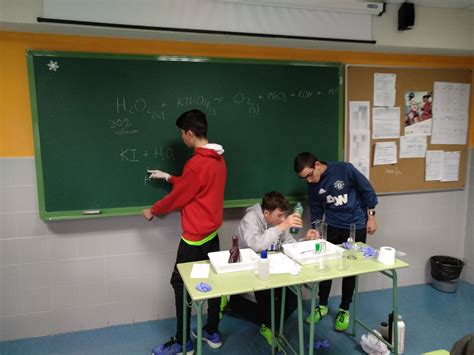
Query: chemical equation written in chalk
column 206, row 104
column 157, row 153
column 130, row 109
column 139, row 106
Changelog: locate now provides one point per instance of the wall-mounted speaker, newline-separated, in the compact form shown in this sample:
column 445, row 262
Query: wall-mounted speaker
column 406, row 16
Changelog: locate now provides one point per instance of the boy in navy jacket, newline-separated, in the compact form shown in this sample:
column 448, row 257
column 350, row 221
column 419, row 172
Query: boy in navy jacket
column 340, row 195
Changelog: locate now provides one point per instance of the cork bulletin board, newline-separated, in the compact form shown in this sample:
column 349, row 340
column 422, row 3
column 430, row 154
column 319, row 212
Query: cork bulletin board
column 408, row 174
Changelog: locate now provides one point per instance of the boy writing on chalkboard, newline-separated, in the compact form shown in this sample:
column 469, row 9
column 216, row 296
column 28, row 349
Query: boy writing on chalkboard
column 199, row 194
column 340, row 195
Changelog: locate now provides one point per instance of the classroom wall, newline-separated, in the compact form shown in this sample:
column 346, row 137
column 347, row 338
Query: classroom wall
column 72, row 275
column 468, row 273
column 448, row 29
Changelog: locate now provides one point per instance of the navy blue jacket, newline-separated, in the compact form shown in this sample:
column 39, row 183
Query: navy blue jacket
column 343, row 194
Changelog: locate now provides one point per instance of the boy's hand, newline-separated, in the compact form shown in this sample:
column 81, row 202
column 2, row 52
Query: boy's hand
column 371, row 225
column 158, row 174
column 147, row 214
column 311, row 235
column 293, row 220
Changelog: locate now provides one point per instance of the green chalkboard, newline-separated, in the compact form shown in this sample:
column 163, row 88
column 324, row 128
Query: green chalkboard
column 101, row 120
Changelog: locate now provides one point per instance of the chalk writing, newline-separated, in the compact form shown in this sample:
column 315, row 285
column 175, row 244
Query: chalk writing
column 305, row 94
column 168, row 154
column 134, row 155
column 394, row 171
column 128, row 155
column 253, row 107
column 125, row 123
column 201, row 102
column 277, row 96
column 138, row 106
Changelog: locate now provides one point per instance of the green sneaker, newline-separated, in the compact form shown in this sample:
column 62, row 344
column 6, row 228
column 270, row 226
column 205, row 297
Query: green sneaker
column 342, row 320
column 224, row 302
column 319, row 312
column 267, row 334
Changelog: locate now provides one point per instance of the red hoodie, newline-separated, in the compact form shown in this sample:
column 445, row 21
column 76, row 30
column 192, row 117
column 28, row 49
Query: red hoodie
column 199, row 193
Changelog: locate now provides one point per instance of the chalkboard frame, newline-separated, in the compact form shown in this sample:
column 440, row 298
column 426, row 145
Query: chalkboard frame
column 136, row 210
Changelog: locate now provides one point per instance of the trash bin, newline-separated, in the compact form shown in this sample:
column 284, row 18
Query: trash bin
column 445, row 271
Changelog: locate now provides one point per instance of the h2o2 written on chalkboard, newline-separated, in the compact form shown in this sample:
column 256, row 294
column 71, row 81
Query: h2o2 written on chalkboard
column 261, row 112
column 128, row 109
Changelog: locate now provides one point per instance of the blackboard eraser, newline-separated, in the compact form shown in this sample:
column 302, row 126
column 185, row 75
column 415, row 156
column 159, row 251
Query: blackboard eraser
column 91, row 212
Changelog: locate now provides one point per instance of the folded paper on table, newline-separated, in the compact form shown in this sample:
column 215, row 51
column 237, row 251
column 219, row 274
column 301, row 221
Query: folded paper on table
column 200, row 271
column 281, row 264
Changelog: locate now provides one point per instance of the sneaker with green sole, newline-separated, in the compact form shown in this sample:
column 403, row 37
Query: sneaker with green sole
column 342, row 320
column 267, row 334
column 224, row 302
column 319, row 312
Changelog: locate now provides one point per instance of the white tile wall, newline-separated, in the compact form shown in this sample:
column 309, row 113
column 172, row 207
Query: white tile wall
column 65, row 276
column 468, row 273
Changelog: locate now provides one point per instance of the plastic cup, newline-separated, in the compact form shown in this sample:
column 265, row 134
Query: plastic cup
column 343, row 263
column 321, row 265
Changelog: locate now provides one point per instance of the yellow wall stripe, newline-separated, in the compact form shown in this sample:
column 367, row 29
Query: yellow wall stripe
column 16, row 138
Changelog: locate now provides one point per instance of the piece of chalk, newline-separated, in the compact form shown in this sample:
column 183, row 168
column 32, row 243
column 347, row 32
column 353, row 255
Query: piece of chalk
column 91, row 212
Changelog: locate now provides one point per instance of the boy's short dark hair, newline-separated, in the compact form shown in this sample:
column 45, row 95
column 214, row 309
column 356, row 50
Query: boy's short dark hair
column 273, row 200
column 304, row 160
column 194, row 121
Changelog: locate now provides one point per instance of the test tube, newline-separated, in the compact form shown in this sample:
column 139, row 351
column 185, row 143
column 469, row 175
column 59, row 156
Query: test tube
column 351, row 242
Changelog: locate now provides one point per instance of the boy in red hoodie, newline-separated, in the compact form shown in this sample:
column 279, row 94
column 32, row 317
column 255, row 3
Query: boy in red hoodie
column 199, row 194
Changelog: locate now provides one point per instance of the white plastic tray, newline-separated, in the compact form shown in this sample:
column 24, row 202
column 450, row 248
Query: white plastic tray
column 305, row 252
column 220, row 261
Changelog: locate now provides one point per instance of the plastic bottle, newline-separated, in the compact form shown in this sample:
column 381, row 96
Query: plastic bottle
column 401, row 335
column 263, row 266
column 298, row 210
column 401, row 332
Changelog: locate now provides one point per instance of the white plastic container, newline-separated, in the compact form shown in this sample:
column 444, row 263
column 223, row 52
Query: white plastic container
column 220, row 261
column 263, row 266
column 305, row 252
column 401, row 335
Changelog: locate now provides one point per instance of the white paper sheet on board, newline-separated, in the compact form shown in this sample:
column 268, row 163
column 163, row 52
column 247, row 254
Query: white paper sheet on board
column 385, row 122
column 384, row 89
column 450, row 113
column 433, row 165
column 359, row 115
column 450, row 169
column 413, row 146
column 385, row 153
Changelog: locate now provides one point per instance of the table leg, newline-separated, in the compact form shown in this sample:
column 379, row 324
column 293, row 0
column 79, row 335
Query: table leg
column 311, row 326
column 272, row 296
column 394, row 344
column 282, row 342
column 198, row 305
column 282, row 310
column 185, row 318
column 354, row 306
column 395, row 311
column 300, row 319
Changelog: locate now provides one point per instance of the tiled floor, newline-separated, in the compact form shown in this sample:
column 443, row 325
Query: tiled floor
column 434, row 320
